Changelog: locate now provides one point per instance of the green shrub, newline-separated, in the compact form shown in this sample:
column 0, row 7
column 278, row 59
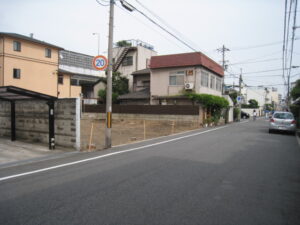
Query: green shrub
column 212, row 103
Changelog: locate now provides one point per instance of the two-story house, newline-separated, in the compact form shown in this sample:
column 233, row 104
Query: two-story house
column 32, row 64
column 172, row 75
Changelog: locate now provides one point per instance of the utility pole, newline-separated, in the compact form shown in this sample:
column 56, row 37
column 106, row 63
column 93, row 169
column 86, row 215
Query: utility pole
column 240, row 94
column 223, row 50
column 109, row 78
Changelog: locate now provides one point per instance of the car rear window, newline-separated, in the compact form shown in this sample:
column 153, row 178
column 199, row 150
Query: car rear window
column 283, row 116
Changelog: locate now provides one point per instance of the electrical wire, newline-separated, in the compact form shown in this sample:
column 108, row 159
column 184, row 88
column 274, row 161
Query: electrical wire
column 292, row 46
column 263, row 71
column 284, row 36
column 161, row 27
column 255, row 46
column 98, row 1
column 168, row 25
column 266, row 60
column 146, row 25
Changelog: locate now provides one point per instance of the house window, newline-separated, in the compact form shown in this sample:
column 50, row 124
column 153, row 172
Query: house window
column 128, row 61
column 176, row 78
column 17, row 74
column 204, row 79
column 17, row 46
column 48, row 52
column 218, row 84
column 212, row 82
column 60, row 79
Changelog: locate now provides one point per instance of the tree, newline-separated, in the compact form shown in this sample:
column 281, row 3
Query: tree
column 295, row 93
column 123, row 43
column 253, row 103
column 119, row 87
column 233, row 95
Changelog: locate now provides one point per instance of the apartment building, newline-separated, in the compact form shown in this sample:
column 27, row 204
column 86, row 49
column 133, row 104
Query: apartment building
column 32, row 64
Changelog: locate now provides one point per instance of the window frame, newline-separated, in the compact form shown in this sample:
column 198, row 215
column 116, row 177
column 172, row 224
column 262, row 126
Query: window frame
column 48, row 52
column 219, row 84
column 60, row 79
column 127, row 61
column 204, row 82
column 16, row 46
column 212, row 85
column 16, row 73
column 176, row 75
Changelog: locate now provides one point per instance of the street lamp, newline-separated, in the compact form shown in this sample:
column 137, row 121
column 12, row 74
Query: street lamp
column 98, row 35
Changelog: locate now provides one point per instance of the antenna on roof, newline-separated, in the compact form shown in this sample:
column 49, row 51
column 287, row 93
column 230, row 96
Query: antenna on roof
column 31, row 35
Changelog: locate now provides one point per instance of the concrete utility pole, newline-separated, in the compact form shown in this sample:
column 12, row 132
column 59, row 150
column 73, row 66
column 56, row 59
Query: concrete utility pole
column 240, row 94
column 223, row 50
column 109, row 78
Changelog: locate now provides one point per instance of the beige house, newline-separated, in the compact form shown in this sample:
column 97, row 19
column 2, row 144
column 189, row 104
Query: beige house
column 32, row 64
column 172, row 75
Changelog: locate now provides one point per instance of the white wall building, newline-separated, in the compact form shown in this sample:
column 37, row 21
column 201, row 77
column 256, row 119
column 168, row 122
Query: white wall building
column 133, row 57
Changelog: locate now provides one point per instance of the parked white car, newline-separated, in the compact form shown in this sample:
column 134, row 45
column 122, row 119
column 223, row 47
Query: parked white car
column 282, row 121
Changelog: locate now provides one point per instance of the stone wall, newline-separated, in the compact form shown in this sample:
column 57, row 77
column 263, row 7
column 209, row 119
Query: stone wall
column 32, row 121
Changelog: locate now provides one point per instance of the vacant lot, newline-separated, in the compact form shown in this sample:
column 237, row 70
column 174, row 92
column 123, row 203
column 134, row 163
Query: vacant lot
column 126, row 131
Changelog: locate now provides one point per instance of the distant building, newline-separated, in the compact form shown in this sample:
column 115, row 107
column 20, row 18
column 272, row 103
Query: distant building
column 78, row 68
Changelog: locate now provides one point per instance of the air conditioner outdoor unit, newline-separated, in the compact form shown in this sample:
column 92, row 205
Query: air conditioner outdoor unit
column 188, row 86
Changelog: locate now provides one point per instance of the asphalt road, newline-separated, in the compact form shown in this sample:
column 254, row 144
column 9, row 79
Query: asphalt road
column 239, row 174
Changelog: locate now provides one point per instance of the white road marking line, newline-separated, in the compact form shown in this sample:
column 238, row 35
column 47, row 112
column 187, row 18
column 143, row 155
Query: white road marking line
column 107, row 155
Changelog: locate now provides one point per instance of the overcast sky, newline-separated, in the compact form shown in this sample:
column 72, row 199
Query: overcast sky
column 204, row 24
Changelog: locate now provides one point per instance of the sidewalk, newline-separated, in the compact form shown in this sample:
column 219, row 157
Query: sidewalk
column 15, row 151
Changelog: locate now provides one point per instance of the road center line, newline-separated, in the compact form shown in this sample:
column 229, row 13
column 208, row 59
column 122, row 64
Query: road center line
column 107, row 155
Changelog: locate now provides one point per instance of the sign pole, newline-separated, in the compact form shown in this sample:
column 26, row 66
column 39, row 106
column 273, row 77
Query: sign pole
column 109, row 78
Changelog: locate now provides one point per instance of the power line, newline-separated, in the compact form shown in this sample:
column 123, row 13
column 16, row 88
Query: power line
column 161, row 27
column 284, row 36
column 99, row 2
column 256, row 46
column 166, row 24
column 136, row 18
column 263, row 71
column 292, row 48
column 260, row 57
column 266, row 60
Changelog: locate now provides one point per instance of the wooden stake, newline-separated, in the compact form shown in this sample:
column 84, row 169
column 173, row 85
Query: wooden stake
column 144, row 129
column 173, row 125
column 91, row 136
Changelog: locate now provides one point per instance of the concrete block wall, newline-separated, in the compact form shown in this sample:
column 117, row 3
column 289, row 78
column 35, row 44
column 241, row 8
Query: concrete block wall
column 32, row 121
column 4, row 119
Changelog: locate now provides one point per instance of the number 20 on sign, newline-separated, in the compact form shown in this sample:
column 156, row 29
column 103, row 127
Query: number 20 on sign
column 100, row 62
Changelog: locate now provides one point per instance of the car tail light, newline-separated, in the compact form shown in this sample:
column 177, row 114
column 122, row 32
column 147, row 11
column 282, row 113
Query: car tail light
column 293, row 122
column 272, row 120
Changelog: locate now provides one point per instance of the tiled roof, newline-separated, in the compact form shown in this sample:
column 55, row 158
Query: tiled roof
column 186, row 59
column 141, row 72
column 26, row 38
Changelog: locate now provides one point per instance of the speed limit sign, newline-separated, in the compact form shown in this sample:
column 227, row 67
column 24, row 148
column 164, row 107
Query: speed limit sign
column 100, row 62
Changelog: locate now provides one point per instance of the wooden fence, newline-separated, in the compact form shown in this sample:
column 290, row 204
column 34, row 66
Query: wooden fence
column 145, row 109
